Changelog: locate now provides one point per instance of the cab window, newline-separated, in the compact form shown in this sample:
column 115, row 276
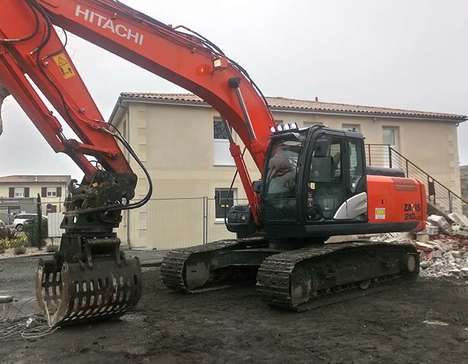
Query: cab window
column 326, row 190
column 356, row 165
column 326, row 163
column 281, row 180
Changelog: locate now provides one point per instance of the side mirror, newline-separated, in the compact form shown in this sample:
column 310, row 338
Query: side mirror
column 321, row 169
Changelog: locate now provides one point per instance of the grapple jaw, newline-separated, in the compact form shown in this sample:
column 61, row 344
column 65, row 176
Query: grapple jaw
column 90, row 278
column 102, row 285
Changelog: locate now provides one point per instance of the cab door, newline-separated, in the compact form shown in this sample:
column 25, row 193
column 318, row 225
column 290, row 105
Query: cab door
column 335, row 179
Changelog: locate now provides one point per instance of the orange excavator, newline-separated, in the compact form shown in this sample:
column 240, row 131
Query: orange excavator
column 314, row 183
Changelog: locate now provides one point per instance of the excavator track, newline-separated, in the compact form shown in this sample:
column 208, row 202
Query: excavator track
column 191, row 270
column 304, row 279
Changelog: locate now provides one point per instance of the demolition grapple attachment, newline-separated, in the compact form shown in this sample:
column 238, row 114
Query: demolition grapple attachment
column 102, row 286
column 89, row 278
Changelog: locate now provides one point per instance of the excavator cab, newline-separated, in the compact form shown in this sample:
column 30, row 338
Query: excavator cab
column 314, row 183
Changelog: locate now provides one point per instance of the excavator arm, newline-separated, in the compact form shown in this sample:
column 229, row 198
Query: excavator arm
column 90, row 277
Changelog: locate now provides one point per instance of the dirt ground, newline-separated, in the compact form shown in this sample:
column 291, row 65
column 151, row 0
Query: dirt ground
column 234, row 326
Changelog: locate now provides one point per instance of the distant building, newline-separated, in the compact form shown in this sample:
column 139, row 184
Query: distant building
column 18, row 193
column 464, row 185
column 182, row 142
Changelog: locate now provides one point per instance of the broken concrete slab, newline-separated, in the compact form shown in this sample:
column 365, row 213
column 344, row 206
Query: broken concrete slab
column 460, row 230
column 6, row 299
column 422, row 236
column 432, row 230
column 435, row 323
column 459, row 219
column 423, row 246
column 442, row 223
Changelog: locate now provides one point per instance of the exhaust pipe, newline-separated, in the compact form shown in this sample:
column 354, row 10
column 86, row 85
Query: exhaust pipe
column 4, row 93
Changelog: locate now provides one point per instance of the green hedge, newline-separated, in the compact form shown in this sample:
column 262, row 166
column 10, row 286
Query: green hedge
column 32, row 231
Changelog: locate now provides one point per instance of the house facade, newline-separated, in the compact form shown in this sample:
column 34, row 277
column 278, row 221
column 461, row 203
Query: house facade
column 17, row 192
column 182, row 143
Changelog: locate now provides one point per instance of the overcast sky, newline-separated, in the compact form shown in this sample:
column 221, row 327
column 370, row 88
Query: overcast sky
column 405, row 54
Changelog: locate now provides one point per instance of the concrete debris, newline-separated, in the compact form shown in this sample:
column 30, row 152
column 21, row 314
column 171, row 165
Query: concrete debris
column 445, row 258
column 432, row 229
column 6, row 299
column 424, row 246
column 459, row 219
column 422, row 236
column 443, row 247
column 392, row 237
column 442, row 223
column 435, row 322
column 460, row 230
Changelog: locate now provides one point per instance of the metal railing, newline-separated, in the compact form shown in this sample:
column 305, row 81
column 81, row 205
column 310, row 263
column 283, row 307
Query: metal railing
column 438, row 195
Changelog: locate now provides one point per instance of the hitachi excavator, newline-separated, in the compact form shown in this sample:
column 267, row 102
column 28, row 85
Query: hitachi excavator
column 314, row 183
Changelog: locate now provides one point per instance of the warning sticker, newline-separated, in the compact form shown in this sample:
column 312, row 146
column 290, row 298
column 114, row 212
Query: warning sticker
column 380, row 213
column 64, row 65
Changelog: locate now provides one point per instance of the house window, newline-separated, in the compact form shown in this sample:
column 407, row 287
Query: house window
column 352, row 127
column 51, row 192
column 390, row 136
column 224, row 200
column 222, row 155
column 19, row 192
column 219, row 129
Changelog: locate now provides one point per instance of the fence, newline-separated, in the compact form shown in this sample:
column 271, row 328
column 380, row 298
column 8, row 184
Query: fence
column 166, row 223
column 440, row 196
column 171, row 223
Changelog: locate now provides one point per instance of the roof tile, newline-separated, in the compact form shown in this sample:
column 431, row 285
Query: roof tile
column 35, row 179
column 287, row 104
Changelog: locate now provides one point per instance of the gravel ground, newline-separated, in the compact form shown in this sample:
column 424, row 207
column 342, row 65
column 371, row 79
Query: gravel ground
column 421, row 322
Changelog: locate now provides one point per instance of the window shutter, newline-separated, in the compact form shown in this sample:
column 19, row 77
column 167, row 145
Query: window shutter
column 26, row 192
column 11, row 192
column 59, row 191
column 44, row 191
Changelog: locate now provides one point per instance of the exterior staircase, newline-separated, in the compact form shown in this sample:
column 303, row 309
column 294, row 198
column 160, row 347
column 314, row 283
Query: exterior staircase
column 441, row 200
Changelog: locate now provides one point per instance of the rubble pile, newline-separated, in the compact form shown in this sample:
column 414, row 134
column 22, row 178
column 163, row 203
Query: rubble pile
column 444, row 257
column 443, row 246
